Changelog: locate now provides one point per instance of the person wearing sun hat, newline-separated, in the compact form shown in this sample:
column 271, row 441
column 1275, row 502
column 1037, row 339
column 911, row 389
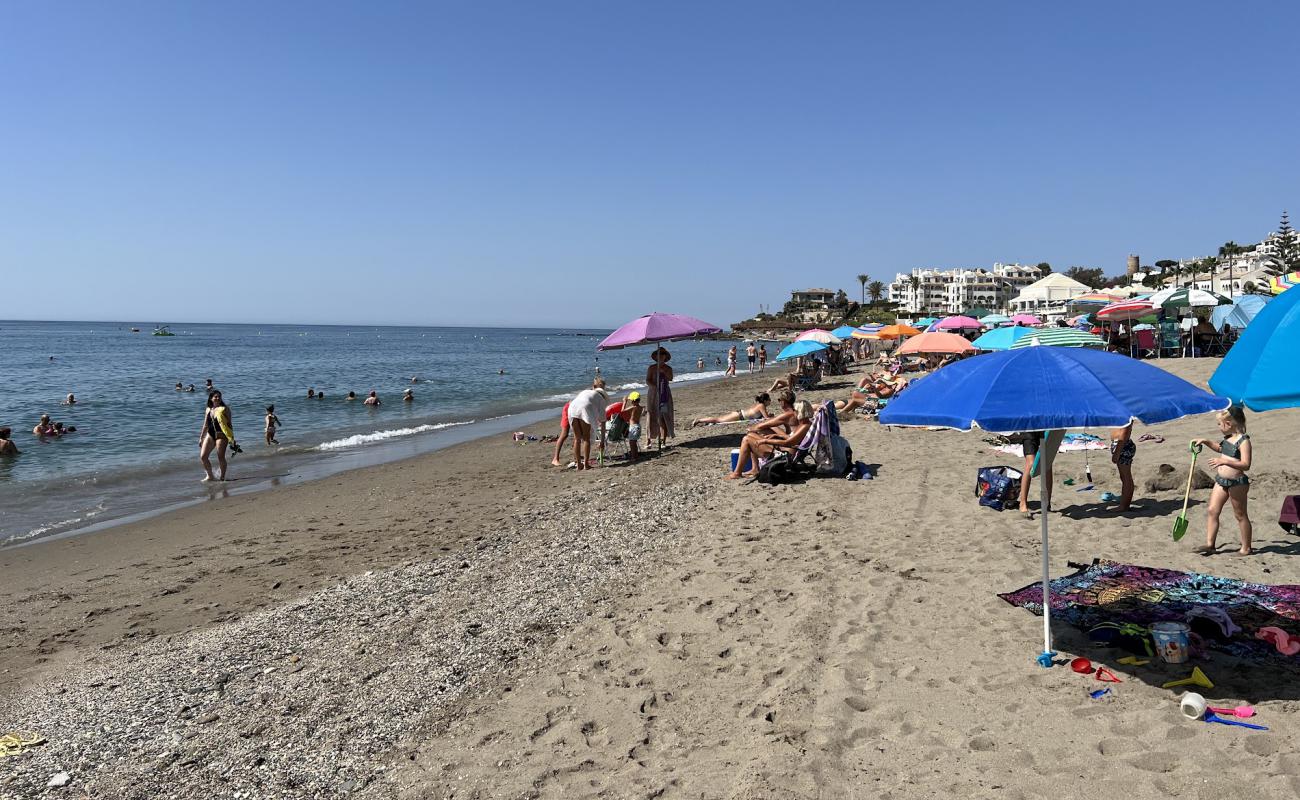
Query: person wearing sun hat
column 659, row 394
column 632, row 410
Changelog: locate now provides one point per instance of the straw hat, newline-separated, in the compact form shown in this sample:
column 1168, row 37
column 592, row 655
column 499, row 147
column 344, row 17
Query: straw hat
column 661, row 354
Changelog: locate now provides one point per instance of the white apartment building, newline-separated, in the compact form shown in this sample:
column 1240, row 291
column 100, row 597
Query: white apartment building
column 954, row 290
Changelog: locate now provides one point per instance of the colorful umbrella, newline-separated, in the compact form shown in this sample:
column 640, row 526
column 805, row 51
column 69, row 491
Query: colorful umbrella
column 1184, row 297
column 1048, row 389
column 958, row 323
column 1240, row 313
column 868, row 331
column 799, row 348
column 936, row 343
column 1260, row 369
column 843, row 331
column 990, row 320
column 818, row 335
column 1095, row 299
column 1280, row 283
column 927, row 321
column 976, row 312
column 1000, row 338
column 896, row 332
column 1059, row 337
column 657, row 327
column 1129, row 309
column 1026, row 319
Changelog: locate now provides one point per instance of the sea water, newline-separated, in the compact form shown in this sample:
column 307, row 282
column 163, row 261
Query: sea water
column 135, row 450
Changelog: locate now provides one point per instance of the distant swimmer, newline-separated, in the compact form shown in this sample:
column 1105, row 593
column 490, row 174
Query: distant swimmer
column 699, row 363
column 189, row 388
column 51, row 358
column 408, row 396
column 311, row 393
column 320, row 395
column 43, row 428
column 372, row 399
column 272, row 421
column 179, row 386
column 351, row 396
column 71, row 400
column 415, row 379
column 59, row 429
column 501, row 372
column 209, row 386
column 7, row 446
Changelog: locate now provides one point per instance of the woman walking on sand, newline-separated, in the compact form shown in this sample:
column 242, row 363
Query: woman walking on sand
column 731, row 362
column 217, row 434
column 1230, row 480
column 658, row 376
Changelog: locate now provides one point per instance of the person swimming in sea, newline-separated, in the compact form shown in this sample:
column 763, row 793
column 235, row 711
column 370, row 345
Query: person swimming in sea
column 7, row 446
column 71, row 400
column 44, row 428
column 190, row 388
column 372, row 399
column 311, row 393
column 408, row 396
column 179, row 386
column 351, row 396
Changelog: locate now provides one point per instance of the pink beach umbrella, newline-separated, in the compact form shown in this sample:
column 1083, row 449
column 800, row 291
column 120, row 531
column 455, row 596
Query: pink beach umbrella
column 1025, row 319
column 936, row 343
column 958, row 323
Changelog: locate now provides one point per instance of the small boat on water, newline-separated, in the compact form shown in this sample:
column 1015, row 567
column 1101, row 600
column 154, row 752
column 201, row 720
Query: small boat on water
column 161, row 330
column 135, row 330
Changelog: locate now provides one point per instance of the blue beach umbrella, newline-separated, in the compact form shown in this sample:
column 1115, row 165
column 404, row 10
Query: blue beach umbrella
column 844, row 331
column 1240, row 313
column 1000, row 338
column 994, row 319
column 923, row 321
column 1260, row 369
column 802, row 347
column 1048, row 389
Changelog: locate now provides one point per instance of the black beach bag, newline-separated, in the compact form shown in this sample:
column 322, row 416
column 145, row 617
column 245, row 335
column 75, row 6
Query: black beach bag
column 996, row 487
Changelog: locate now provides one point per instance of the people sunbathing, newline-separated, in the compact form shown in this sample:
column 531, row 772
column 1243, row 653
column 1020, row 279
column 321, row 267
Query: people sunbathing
column 871, row 388
column 757, row 448
column 754, row 413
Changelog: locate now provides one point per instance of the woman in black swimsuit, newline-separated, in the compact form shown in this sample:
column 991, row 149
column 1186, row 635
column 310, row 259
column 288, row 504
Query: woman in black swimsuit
column 213, row 436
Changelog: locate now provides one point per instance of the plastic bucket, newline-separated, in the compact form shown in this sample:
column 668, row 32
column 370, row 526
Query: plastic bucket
column 1172, row 640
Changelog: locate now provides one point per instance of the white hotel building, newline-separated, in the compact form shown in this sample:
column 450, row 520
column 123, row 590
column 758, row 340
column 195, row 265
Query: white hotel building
column 954, row 290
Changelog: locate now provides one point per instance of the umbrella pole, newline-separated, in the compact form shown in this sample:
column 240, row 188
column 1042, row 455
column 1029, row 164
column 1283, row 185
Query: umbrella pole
column 1045, row 658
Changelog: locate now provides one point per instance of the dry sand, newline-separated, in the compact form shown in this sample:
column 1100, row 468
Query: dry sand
column 475, row 623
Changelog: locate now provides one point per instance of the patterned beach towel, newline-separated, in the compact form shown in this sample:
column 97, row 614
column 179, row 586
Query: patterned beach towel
column 1227, row 612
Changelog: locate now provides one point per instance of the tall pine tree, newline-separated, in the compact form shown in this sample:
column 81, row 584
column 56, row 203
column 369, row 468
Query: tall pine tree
column 1286, row 247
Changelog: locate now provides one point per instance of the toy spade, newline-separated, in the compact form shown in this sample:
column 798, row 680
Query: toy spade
column 1180, row 522
column 1197, row 678
column 1239, row 711
column 1212, row 718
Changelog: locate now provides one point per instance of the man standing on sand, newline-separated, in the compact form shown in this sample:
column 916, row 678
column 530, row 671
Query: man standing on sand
column 752, row 355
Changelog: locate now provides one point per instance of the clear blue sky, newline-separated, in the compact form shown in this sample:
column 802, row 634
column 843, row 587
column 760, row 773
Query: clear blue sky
column 580, row 163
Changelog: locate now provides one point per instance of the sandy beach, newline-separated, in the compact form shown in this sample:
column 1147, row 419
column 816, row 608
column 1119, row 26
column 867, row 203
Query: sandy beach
column 477, row 624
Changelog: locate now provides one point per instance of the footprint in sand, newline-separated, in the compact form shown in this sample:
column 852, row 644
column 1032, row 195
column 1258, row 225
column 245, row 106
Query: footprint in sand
column 857, row 703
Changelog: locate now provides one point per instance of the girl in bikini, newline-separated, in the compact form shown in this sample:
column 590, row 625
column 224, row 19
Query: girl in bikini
column 754, row 413
column 1230, row 480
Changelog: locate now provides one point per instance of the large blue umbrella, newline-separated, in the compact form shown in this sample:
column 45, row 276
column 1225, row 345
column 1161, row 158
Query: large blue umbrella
column 1000, row 338
column 1240, row 313
column 844, row 331
column 802, row 347
column 1044, row 389
column 1260, row 369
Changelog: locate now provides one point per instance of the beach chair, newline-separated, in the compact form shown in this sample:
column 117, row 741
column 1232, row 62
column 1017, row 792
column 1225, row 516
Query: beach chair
column 1171, row 340
column 1144, row 344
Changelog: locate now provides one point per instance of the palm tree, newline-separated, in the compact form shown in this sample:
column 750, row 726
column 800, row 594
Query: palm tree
column 1226, row 254
column 915, row 282
column 862, row 279
column 877, row 291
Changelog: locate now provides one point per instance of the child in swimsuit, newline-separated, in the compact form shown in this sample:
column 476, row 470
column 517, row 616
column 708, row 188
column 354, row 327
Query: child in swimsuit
column 1122, row 451
column 272, row 421
column 1230, row 480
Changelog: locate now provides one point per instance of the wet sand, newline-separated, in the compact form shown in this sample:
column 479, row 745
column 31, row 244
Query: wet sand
column 476, row 623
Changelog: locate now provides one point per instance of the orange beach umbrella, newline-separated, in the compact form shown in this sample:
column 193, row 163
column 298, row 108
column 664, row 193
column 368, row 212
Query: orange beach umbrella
column 936, row 342
column 896, row 332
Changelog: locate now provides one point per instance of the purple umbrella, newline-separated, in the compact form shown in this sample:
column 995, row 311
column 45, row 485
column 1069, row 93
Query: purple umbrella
column 657, row 327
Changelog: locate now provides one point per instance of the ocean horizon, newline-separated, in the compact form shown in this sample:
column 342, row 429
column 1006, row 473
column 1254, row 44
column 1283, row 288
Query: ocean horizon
column 135, row 449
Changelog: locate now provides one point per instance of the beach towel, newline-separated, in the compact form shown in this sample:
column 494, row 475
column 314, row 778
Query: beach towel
column 1227, row 614
column 829, row 451
column 661, row 408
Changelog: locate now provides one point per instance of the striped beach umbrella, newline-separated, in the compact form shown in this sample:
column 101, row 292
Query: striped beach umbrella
column 1129, row 309
column 1184, row 297
column 1280, row 283
column 1059, row 337
column 818, row 335
column 1095, row 299
column 868, row 331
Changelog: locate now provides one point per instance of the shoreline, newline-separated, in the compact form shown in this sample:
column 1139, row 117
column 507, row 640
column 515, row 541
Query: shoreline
column 478, row 623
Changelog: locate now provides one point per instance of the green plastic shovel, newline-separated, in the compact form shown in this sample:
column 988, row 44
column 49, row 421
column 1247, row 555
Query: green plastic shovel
column 1180, row 522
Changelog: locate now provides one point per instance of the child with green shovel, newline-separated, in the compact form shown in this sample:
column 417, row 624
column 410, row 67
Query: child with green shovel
column 1230, row 479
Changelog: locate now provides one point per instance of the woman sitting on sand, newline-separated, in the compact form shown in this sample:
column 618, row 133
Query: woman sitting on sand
column 754, row 413
column 759, row 447
column 785, row 421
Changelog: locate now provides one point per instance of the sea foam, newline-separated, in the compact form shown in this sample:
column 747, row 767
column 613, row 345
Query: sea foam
column 359, row 439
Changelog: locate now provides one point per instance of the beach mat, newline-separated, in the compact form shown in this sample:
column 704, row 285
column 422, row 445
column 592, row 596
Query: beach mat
column 1107, row 592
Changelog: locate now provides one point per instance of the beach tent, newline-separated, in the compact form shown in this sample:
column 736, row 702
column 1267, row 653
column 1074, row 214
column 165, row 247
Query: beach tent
column 990, row 320
column 1260, row 369
column 935, row 343
column 1240, row 313
column 843, row 331
column 958, row 324
column 818, row 335
column 800, row 348
column 1026, row 319
column 1058, row 337
column 1000, row 338
column 657, row 328
column 1047, row 389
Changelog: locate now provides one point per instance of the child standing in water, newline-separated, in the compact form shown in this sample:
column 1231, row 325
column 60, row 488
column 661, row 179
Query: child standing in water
column 1122, row 451
column 272, row 422
column 1230, row 479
